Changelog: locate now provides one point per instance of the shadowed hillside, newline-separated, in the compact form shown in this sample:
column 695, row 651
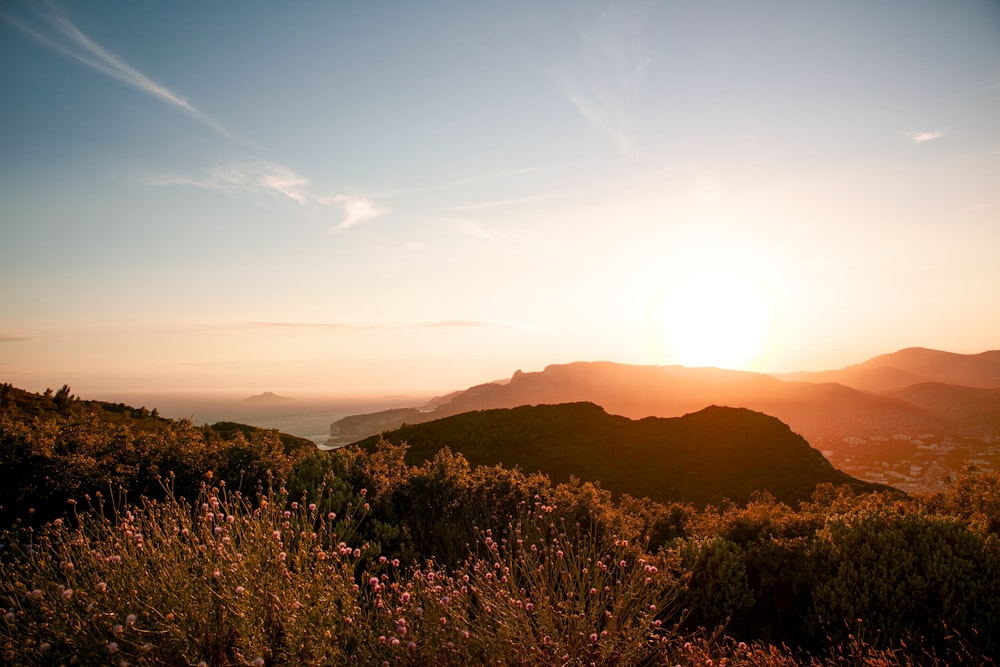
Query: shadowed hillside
column 971, row 410
column 814, row 410
column 54, row 447
column 703, row 457
column 914, row 365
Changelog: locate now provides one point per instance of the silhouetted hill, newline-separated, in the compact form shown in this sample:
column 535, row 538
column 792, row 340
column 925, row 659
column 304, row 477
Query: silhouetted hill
column 891, row 372
column 702, row 457
column 814, row 410
column 969, row 410
column 55, row 446
column 355, row 427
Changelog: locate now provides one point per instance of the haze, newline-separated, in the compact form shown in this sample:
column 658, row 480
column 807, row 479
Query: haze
column 373, row 198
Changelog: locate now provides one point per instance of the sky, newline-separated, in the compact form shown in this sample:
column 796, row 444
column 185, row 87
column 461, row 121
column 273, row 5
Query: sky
column 383, row 197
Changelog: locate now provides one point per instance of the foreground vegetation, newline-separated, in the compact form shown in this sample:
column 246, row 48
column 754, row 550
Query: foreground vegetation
column 254, row 553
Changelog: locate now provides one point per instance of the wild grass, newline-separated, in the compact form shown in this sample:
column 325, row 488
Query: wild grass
column 227, row 580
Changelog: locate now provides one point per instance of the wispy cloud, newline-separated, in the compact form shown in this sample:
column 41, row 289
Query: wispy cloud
column 53, row 29
column 382, row 324
column 357, row 209
column 19, row 339
column 56, row 31
column 259, row 177
column 266, row 178
column 513, row 201
column 474, row 179
column 473, row 228
column 604, row 86
column 921, row 137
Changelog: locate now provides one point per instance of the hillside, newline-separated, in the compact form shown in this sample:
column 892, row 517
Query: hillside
column 345, row 551
column 54, row 447
column 970, row 410
column 914, row 365
column 817, row 411
column 703, row 457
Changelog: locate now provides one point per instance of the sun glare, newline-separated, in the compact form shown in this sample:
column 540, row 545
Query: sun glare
column 716, row 317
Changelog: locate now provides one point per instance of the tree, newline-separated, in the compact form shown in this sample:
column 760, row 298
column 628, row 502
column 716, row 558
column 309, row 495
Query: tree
column 63, row 398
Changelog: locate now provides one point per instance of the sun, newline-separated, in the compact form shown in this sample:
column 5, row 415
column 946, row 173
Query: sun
column 716, row 316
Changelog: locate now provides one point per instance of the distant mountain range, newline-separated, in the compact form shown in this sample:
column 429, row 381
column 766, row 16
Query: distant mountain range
column 914, row 365
column 915, row 390
column 703, row 457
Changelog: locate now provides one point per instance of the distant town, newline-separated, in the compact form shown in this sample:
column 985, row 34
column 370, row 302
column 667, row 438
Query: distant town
column 914, row 463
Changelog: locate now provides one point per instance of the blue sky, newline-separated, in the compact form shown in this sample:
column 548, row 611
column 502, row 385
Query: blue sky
column 380, row 197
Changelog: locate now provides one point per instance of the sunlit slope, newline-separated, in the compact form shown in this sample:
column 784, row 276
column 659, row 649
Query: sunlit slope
column 703, row 457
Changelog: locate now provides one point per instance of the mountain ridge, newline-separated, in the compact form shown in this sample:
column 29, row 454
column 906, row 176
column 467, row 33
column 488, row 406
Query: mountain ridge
column 913, row 365
column 704, row 457
column 813, row 404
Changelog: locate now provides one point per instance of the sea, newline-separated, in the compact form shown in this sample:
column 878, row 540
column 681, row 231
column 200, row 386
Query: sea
column 303, row 417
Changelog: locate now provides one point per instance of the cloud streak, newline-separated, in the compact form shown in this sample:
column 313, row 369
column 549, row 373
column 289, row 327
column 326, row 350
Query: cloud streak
column 357, row 209
column 57, row 32
column 922, row 137
column 392, row 324
column 20, row 339
column 610, row 75
column 259, row 177
column 514, row 201
column 266, row 178
column 476, row 179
